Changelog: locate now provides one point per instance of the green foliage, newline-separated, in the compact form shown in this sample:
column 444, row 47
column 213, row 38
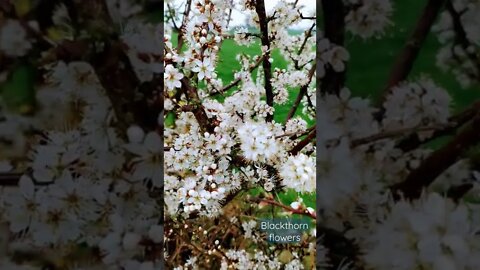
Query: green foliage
column 18, row 90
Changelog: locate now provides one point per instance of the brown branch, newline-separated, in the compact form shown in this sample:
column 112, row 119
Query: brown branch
column 438, row 162
column 404, row 63
column 301, row 94
column 461, row 35
column 172, row 14
column 457, row 192
column 9, row 179
column 196, row 107
column 297, row 134
column 413, row 141
column 339, row 247
column 308, row 34
column 396, row 133
column 184, row 23
column 303, row 17
column 229, row 18
column 116, row 75
column 288, row 208
column 334, row 23
column 297, row 148
column 237, row 81
column 267, row 66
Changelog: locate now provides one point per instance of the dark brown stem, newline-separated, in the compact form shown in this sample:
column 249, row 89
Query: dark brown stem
column 188, row 7
column 334, row 24
column 438, row 162
column 301, row 94
column 413, row 141
column 404, row 63
column 388, row 134
column 297, row 148
column 267, row 66
column 308, row 34
column 119, row 82
column 457, row 192
column 195, row 106
column 461, row 35
column 9, row 179
column 172, row 15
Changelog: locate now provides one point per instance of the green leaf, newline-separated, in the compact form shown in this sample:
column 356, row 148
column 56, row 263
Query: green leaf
column 18, row 91
column 22, row 7
column 169, row 119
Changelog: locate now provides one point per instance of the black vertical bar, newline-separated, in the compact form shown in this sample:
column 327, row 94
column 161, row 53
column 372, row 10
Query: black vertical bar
column 161, row 117
column 317, row 126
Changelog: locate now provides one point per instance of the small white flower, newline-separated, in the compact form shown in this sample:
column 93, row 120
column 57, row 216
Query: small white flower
column 172, row 77
column 203, row 68
column 13, row 39
column 135, row 134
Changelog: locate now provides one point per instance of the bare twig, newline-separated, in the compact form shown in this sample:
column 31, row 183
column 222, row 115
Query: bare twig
column 9, row 179
column 308, row 34
column 171, row 11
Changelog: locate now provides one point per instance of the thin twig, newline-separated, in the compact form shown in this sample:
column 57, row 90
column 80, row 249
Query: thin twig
column 396, row 133
column 238, row 80
column 301, row 94
column 184, row 23
column 303, row 143
column 413, row 141
column 305, row 212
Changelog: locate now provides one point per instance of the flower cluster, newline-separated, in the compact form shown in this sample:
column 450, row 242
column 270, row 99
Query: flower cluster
column 457, row 32
column 434, row 233
column 368, row 18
